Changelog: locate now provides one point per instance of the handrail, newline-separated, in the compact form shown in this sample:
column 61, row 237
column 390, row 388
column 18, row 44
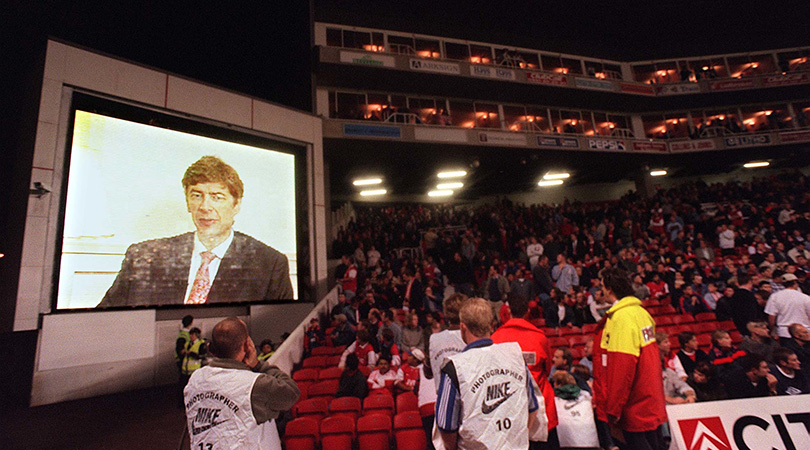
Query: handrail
column 398, row 48
column 399, row 117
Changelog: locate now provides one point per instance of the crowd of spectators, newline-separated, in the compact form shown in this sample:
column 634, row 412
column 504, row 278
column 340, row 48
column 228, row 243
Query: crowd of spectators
column 737, row 249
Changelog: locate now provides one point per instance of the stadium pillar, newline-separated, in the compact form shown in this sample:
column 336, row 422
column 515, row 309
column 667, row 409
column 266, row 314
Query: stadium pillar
column 644, row 184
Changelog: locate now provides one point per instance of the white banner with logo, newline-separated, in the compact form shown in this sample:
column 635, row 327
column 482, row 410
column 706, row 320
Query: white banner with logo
column 751, row 424
column 426, row 65
column 367, row 59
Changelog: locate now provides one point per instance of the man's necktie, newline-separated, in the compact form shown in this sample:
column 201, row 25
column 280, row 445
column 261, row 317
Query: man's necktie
column 202, row 281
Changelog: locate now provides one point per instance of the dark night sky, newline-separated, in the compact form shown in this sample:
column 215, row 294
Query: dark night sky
column 617, row 30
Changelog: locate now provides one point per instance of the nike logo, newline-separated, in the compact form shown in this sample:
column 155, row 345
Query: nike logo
column 486, row 409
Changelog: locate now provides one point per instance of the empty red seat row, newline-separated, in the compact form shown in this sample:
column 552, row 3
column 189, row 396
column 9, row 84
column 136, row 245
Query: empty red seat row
column 372, row 432
column 320, row 407
column 321, row 362
column 326, row 350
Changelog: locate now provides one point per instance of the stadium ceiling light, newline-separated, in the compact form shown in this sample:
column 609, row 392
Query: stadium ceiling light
column 452, row 174
column 755, row 164
column 373, row 192
column 547, row 183
column 556, row 176
column 440, row 193
column 454, row 185
column 658, row 173
column 366, row 181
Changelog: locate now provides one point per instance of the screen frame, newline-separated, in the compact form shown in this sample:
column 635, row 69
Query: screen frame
column 189, row 124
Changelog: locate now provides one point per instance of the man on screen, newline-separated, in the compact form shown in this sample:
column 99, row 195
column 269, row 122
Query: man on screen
column 214, row 264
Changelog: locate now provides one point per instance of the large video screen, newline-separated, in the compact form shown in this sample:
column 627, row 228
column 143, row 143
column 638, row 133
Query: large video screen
column 155, row 216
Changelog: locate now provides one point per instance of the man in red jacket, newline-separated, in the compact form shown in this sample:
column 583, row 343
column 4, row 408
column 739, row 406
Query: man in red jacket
column 628, row 382
column 537, row 354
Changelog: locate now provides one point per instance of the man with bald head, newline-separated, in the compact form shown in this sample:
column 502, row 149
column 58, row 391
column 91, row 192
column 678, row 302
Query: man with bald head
column 233, row 401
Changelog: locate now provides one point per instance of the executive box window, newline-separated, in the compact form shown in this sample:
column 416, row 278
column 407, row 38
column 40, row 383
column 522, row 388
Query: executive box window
column 766, row 118
column 516, row 118
column 802, row 111
column 462, row 113
column 551, row 63
column 427, row 48
column 486, row 115
column 350, row 106
column 539, row 119
column 401, row 44
column 456, row 51
column 480, row 54
column 334, row 37
column 517, row 59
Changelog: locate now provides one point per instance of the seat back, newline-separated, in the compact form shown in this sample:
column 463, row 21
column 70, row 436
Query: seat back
column 705, row 317
column 314, row 408
column 337, row 433
column 427, row 410
column 308, row 374
column 314, row 362
column 374, row 432
column 374, row 404
column 345, row 406
column 330, row 373
column 322, row 351
column 408, row 431
column 326, row 389
column 301, row 434
column 407, row 401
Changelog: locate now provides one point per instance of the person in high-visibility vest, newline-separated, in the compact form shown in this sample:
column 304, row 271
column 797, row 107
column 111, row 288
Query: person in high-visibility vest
column 196, row 350
column 266, row 348
column 183, row 338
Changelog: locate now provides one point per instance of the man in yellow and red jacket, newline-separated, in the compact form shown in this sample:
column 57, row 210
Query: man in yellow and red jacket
column 628, row 385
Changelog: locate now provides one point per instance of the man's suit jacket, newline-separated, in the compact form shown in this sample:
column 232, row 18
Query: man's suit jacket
column 156, row 272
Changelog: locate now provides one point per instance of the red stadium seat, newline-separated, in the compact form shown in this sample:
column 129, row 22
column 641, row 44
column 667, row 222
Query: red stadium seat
column 589, row 328
column 682, row 319
column 407, row 401
column 565, row 331
column 301, row 434
column 322, row 351
column 705, row 327
column 555, row 342
column 727, row 325
column 365, row 370
column 374, row 432
column 314, row 408
column 331, row 373
column 664, row 320
column 736, row 337
column 578, row 339
column 338, row 350
column 705, row 317
column 674, row 343
column 337, row 433
column 378, row 404
column 668, row 309
column 345, row 406
column 539, row 323
column 576, row 352
column 408, row 431
column 427, row 410
column 704, row 340
column 305, row 375
column 326, row 389
column 331, row 361
column 315, row 362
column 303, row 386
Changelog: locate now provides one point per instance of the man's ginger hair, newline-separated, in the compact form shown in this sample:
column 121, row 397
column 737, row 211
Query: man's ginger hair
column 210, row 169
